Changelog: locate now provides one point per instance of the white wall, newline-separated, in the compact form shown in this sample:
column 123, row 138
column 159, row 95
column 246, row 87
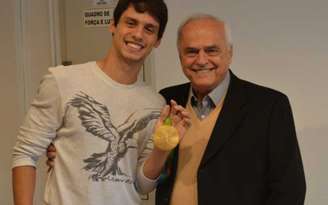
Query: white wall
column 9, row 109
column 280, row 44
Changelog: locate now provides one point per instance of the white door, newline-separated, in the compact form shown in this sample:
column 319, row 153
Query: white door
column 81, row 42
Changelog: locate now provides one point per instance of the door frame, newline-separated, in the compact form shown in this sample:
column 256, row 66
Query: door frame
column 24, row 69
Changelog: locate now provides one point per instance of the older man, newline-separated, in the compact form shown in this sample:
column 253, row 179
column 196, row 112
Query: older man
column 242, row 146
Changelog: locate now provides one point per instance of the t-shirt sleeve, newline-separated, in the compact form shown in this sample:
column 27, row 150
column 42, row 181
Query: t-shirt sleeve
column 143, row 184
column 42, row 120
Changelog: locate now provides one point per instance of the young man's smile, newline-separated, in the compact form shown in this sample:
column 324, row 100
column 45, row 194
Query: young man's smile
column 135, row 35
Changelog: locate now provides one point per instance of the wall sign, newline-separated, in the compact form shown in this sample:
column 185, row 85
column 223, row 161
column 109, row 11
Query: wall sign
column 97, row 17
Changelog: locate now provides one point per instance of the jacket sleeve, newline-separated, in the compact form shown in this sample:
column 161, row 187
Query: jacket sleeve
column 286, row 175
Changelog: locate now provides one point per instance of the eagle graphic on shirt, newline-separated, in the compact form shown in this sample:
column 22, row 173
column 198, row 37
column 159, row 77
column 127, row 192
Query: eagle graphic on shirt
column 96, row 119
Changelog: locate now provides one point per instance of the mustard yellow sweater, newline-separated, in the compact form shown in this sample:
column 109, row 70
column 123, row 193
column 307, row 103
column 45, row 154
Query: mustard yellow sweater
column 191, row 150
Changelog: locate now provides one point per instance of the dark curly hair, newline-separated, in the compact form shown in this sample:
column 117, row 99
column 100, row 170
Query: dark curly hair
column 156, row 8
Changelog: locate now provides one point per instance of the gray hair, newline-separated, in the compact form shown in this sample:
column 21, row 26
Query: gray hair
column 196, row 17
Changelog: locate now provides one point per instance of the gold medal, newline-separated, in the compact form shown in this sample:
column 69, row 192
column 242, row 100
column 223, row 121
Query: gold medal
column 166, row 137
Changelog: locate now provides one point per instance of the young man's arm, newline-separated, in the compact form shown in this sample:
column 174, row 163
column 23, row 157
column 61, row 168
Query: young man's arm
column 154, row 164
column 23, row 184
column 36, row 133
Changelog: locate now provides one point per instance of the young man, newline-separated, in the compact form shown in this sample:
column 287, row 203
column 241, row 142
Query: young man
column 100, row 119
column 242, row 146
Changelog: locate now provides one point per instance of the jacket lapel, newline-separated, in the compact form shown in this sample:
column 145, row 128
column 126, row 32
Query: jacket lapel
column 229, row 117
column 182, row 98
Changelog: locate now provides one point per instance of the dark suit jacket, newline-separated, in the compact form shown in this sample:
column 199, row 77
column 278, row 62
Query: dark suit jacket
column 252, row 157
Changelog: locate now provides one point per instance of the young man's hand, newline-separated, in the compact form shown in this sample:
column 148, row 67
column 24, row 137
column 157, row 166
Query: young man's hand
column 51, row 155
column 179, row 116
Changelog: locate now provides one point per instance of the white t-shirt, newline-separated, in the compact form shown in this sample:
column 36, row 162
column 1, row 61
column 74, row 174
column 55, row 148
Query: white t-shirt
column 102, row 133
